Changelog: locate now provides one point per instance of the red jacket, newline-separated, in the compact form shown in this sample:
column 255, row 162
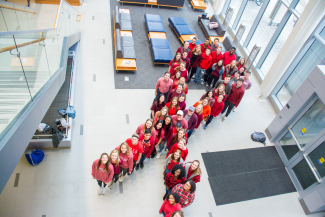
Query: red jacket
column 236, row 94
column 215, row 57
column 147, row 148
column 175, row 147
column 203, row 48
column 205, row 61
column 217, row 108
column 228, row 58
column 192, row 46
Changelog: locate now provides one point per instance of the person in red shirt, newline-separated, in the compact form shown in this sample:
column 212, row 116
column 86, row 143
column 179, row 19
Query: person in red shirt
column 157, row 105
column 148, row 143
column 198, row 111
column 185, row 48
column 115, row 160
column 203, row 66
column 215, row 45
column 103, row 172
column 195, row 60
column 160, row 135
column 205, row 45
column 186, row 60
column 181, row 145
column 136, row 149
column 161, row 114
column 173, row 106
column 176, row 175
column 168, row 128
column 175, row 93
column 183, row 70
column 193, row 171
column 126, row 155
column 175, row 138
column 241, row 63
column 217, row 72
column 182, row 82
column 170, row 205
column 216, row 57
column 172, row 160
column 192, row 45
column 229, row 56
column 176, row 61
column 234, row 98
column 215, row 110
column 220, row 90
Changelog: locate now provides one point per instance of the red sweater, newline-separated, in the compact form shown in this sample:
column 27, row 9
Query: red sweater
column 136, row 149
column 205, row 61
column 192, row 46
column 175, row 86
column 173, row 66
column 127, row 159
column 147, row 148
column 228, row 58
column 168, row 208
column 236, row 94
column 203, row 48
column 188, row 50
column 199, row 119
column 101, row 174
column 215, row 57
column 173, row 94
column 175, row 147
column 195, row 179
column 217, row 108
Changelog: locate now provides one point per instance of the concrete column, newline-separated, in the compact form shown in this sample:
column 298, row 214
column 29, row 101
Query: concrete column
column 305, row 26
column 218, row 5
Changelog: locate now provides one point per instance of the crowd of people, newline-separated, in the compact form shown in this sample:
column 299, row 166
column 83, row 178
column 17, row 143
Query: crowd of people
column 171, row 124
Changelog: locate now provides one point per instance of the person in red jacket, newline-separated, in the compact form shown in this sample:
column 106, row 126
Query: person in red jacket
column 170, row 205
column 216, row 56
column 136, row 149
column 185, row 48
column 205, row 45
column 126, row 155
column 216, row 109
column 103, row 172
column 148, row 143
column 181, row 145
column 195, row 60
column 186, row 60
column 234, row 98
column 176, row 61
column 192, row 45
column 203, row 66
column 229, row 56
column 193, row 171
column 183, row 70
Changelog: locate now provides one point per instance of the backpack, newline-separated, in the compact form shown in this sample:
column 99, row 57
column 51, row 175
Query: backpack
column 57, row 136
column 258, row 137
column 35, row 156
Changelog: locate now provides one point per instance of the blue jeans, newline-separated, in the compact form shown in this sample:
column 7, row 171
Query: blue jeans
column 143, row 157
column 158, row 93
column 189, row 133
column 209, row 120
column 162, row 145
column 198, row 75
column 163, row 213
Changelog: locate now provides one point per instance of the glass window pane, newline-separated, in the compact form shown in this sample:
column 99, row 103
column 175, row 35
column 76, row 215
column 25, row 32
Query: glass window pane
column 248, row 17
column 316, row 158
column 267, row 26
column 301, row 6
column 278, row 44
column 322, row 33
column 235, row 4
column 314, row 56
column 310, row 124
column 289, row 146
column 304, row 175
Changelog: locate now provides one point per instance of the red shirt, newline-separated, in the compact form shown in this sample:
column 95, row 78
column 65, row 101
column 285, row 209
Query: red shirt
column 196, row 178
column 236, row 94
column 173, row 66
column 136, row 149
column 171, row 182
column 172, row 164
column 192, row 46
column 204, row 48
column 217, row 108
column 199, row 119
column 168, row 208
column 175, row 131
column 172, row 110
column 162, row 135
column 227, row 58
column 184, row 74
column 175, row 147
column 147, row 147
column 215, row 57
column 205, row 61
column 175, row 86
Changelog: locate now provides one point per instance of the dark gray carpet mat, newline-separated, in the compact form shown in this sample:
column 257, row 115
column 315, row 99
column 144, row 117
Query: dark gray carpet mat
column 147, row 74
column 246, row 174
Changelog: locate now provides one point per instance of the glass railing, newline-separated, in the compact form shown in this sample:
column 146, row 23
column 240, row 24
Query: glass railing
column 28, row 60
column 15, row 17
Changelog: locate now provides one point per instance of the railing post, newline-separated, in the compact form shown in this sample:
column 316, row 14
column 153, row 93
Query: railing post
column 229, row 14
column 239, row 34
column 252, row 56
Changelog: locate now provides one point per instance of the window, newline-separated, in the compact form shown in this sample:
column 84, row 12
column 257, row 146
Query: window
column 304, row 175
column 235, row 4
column 301, row 6
column 322, row 33
column 313, row 57
column 315, row 158
column 289, row 146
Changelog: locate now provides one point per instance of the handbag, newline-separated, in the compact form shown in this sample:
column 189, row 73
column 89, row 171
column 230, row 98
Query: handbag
column 213, row 25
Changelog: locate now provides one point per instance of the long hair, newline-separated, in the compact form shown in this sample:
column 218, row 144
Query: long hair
column 178, row 167
column 219, row 67
column 159, row 114
column 100, row 162
column 231, row 64
column 177, row 70
column 198, row 169
column 199, row 105
column 194, row 49
column 158, row 98
column 127, row 148
column 117, row 164
column 172, row 157
column 184, row 85
column 180, row 59
column 159, row 131
column 238, row 63
column 224, row 88
column 170, row 105
column 206, row 98
column 176, row 136
column 144, row 126
column 181, row 214
column 169, row 125
column 192, row 183
column 207, row 94
column 176, row 197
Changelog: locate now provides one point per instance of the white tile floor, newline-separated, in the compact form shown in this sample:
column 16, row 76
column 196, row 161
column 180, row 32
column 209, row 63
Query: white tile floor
column 62, row 185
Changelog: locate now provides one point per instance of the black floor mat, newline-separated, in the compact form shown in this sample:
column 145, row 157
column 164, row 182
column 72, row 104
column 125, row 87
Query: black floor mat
column 246, row 174
column 147, row 74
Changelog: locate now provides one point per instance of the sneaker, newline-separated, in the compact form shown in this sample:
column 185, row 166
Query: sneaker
column 137, row 167
column 202, row 83
column 193, row 81
column 112, row 185
column 205, row 127
column 146, row 160
column 193, row 77
column 158, row 155
column 100, row 190
column 141, row 165
column 121, row 178
column 234, row 110
column 103, row 190
column 109, row 184
column 223, row 118
column 197, row 84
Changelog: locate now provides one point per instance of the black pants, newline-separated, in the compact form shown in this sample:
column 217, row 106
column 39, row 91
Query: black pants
column 134, row 164
column 214, row 79
column 228, row 105
column 100, row 183
column 115, row 177
column 207, row 74
column 124, row 171
column 193, row 71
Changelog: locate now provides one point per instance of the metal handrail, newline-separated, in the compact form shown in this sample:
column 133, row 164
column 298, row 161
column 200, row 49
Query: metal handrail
column 16, row 9
column 27, row 8
column 25, row 32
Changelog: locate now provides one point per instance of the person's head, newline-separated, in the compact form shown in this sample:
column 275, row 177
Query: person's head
column 220, row 63
column 179, row 88
column 240, row 82
column 147, row 134
column 190, row 186
column 173, row 198
column 180, row 115
column 178, row 170
column 219, row 49
column 159, row 124
column 176, row 156
column 232, row 50
column 233, row 64
column 227, row 79
column 220, row 98
column 242, row 61
column 177, row 74
column 206, row 42
column 206, row 101
column 181, row 98
column 104, row 159
column 177, row 213
column 114, row 157
column 193, row 40
column 197, row 49
column 168, row 120
column 182, row 66
column 184, row 55
column 124, row 149
column 178, row 126
column 216, row 41
column 167, row 76
column 186, row 44
column 182, row 81
column 199, row 109
column 177, row 57
column 236, row 74
column 207, row 51
column 160, row 99
column 190, row 110
column 148, row 124
column 247, row 74
column 195, row 167
column 181, row 143
column 241, row 70
column 135, row 139
column 163, row 111
column 174, row 101
column 209, row 94
column 221, row 88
